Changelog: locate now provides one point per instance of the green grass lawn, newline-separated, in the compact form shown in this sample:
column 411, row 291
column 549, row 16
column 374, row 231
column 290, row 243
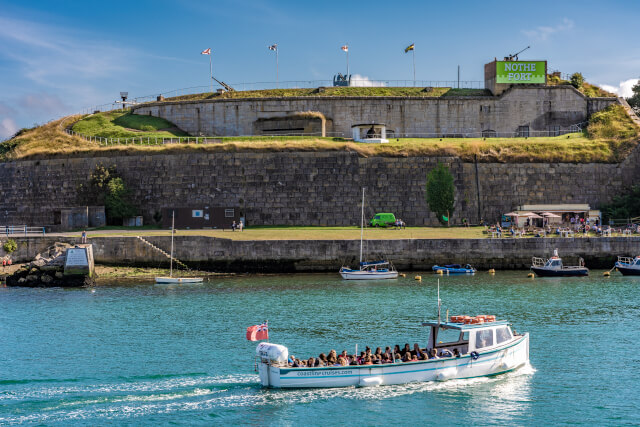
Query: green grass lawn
column 123, row 124
column 338, row 91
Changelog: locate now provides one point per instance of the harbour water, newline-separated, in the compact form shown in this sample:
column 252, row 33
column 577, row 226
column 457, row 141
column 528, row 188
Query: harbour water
column 145, row 354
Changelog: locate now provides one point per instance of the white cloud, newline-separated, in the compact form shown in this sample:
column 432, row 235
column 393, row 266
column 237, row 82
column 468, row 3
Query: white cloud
column 543, row 33
column 8, row 127
column 623, row 89
column 364, row 81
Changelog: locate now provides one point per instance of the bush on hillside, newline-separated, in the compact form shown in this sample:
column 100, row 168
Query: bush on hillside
column 10, row 246
column 612, row 123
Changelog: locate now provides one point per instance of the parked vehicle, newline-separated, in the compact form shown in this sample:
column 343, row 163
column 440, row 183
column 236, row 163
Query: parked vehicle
column 383, row 220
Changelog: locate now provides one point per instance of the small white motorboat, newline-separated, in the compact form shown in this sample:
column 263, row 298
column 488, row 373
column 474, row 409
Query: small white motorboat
column 171, row 279
column 368, row 270
column 478, row 348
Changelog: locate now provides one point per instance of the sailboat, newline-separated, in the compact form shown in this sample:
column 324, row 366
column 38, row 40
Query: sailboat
column 172, row 279
column 368, row 270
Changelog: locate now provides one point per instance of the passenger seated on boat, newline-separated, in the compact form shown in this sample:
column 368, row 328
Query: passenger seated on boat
column 406, row 349
column 311, row 362
column 396, row 350
column 344, row 354
column 291, row 359
column 407, row 357
column 342, row 361
column 367, row 360
column 416, row 351
column 398, row 358
column 387, row 351
column 433, row 354
column 353, row 360
column 378, row 352
column 332, row 359
column 456, row 353
column 323, row 359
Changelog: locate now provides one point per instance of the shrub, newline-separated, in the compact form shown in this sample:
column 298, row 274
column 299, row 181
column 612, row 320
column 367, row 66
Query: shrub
column 10, row 246
column 577, row 80
column 441, row 192
column 612, row 123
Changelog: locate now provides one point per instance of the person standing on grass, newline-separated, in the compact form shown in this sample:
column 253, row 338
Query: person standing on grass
column 84, row 236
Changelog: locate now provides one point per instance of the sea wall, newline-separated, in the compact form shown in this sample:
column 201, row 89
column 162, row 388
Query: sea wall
column 295, row 188
column 541, row 108
column 288, row 256
column 225, row 255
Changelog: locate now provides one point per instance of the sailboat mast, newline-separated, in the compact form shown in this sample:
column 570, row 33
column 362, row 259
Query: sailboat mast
column 362, row 225
column 173, row 223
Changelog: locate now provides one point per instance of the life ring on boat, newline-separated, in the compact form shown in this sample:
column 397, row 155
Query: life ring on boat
column 474, row 355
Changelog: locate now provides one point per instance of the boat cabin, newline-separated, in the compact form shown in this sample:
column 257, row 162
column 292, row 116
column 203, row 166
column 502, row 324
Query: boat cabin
column 467, row 338
column 553, row 263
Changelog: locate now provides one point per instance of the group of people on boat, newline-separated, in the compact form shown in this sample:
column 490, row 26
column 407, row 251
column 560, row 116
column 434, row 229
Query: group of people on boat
column 378, row 357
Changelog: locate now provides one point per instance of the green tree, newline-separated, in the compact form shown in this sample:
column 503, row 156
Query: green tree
column 440, row 192
column 623, row 206
column 117, row 204
column 577, row 80
column 10, row 246
column 634, row 101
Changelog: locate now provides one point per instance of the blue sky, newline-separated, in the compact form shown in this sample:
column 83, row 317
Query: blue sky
column 57, row 57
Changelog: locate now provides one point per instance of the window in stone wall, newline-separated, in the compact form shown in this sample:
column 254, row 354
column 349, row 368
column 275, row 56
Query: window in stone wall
column 488, row 133
column 229, row 213
column 554, row 130
column 523, row 132
column 485, row 108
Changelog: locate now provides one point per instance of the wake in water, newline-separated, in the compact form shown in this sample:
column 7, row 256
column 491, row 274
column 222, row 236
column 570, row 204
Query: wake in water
column 147, row 396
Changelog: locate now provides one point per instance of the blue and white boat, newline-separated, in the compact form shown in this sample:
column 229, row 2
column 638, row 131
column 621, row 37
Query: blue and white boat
column 368, row 270
column 482, row 349
column 628, row 266
column 454, row 269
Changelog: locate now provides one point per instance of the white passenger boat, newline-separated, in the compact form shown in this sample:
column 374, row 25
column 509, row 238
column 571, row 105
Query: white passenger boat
column 482, row 349
column 372, row 270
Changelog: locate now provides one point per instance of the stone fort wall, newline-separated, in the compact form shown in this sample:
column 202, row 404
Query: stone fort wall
column 541, row 108
column 298, row 188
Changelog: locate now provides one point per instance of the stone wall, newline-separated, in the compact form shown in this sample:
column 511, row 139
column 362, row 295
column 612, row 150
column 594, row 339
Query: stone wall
column 281, row 256
column 225, row 255
column 296, row 188
column 542, row 108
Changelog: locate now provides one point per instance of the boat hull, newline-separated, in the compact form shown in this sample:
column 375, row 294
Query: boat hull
column 565, row 272
column 447, row 270
column 627, row 270
column 173, row 280
column 492, row 362
column 368, row 275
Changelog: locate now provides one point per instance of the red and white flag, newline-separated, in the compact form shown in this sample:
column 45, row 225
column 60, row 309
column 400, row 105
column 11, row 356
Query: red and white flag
column 345, row 48
column 206, row 52
column 258, row 332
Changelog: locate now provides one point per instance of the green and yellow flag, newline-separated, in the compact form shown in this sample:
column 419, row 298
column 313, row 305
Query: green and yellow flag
column 412, row 46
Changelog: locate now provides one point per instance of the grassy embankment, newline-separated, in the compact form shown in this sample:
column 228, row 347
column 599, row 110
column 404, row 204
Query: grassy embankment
column 337, row 91
column 611, row 135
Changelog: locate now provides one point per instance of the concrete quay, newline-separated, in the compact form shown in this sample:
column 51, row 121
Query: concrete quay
column 290, row 256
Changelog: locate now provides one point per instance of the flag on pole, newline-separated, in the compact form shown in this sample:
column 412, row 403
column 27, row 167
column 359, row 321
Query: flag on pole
column 345, row 48
column 412, row 46
column 258, row 332
column 273, row 46
column 206, row 52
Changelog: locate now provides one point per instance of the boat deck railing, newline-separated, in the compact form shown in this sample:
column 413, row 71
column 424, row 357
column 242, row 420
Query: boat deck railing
column 625, row 260
column 538, row 262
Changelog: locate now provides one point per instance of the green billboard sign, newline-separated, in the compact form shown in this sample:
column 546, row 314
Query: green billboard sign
column 511, row 72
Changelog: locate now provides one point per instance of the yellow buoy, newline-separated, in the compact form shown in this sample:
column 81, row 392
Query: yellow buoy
column 606, row 274
column 439, row 272
column 419, row 278
column 403, row 275
column 492, row 271
column 531, row 275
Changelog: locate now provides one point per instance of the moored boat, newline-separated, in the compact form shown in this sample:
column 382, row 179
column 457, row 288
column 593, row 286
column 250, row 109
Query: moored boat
column 465, row 347
column 553, row 267
column 173, row 280
column 368, row 270
column 454, row 269
column 628, row 266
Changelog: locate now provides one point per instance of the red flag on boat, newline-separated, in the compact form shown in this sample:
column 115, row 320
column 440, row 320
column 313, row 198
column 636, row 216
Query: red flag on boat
column 258, row 332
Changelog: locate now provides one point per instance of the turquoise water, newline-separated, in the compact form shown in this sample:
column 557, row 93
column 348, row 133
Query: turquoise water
column 144, row 354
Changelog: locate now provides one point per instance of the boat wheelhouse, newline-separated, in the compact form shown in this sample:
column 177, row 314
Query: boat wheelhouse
column 454, row 269
column 628, row 266
column 553, row 267
column 466, row 348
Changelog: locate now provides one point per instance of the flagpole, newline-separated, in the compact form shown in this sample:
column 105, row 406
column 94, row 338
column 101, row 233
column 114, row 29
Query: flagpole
column 276, row 67
column 210, row 74
column 414, row 65
column 347, row 61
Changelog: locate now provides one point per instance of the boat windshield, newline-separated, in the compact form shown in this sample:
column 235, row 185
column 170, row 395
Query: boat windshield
column 555, row 263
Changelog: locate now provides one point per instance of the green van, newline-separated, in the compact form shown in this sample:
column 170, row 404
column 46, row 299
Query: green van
column 382, row 220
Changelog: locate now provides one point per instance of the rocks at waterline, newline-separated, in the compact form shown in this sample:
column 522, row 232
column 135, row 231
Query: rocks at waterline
column 47, row 270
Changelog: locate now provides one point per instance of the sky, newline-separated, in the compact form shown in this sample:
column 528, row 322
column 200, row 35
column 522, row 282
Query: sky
column 62, row 57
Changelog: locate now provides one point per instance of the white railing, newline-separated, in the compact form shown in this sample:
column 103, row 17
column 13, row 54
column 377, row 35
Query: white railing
column 10, row 230
column 538, row 262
